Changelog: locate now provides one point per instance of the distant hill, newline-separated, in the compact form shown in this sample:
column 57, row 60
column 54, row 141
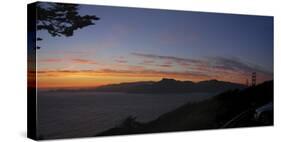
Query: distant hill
column 171, row 86
column 212, row 113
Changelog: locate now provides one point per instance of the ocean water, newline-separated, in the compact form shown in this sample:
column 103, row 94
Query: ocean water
column 63, row 114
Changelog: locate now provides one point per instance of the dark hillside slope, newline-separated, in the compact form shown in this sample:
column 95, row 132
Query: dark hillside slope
column 209, row 114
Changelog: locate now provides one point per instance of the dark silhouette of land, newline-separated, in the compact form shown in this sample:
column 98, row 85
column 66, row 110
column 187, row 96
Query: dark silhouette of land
column 230, row 109
column 171, row 86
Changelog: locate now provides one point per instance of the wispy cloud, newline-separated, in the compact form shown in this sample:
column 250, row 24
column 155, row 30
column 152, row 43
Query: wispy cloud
column 212, row 66
column 83, row 61
column 147, row 62
column 121, row 60
column 159, row 66
column 165, row 65
column 51, row 60
column 236, row 65
column 168, row 58
column 170, row 61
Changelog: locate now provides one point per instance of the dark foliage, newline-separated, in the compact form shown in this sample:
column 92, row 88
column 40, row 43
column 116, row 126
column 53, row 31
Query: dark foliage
column 61, row 19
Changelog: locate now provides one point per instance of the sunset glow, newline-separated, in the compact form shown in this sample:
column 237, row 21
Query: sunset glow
column 123, row 47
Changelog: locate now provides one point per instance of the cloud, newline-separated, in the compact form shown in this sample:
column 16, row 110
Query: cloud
column 52, row 60
column 121, row 59
column 153, row 56
column 236, row 65
column 215, row 67
column 147, row 62
column 135, row 67
column 165, row 65
column 83, row 61
column 217, row 63
column 221, row 68
column 168, row 58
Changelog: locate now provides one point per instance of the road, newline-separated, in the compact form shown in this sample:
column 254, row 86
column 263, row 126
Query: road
column 244, row 119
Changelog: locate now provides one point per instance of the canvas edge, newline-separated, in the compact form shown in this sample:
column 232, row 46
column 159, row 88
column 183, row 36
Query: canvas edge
column 31, row 72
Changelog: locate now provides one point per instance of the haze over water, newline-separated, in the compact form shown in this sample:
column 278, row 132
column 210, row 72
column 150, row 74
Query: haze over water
column 70, row 114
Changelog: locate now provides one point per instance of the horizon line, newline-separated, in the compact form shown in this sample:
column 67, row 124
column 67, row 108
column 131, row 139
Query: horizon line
column 94, row 87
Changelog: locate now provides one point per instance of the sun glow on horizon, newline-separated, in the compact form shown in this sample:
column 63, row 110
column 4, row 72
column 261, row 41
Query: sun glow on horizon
column 92, row 79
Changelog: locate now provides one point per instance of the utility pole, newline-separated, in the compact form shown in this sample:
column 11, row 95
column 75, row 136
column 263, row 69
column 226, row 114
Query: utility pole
column 254, row 78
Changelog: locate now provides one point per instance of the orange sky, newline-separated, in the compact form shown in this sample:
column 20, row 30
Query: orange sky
column 76, row 79
column 88, row 78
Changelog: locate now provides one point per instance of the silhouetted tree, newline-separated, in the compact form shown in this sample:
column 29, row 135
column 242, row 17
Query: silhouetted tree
column 61, row 19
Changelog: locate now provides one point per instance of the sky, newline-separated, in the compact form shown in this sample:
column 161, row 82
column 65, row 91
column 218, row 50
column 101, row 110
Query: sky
column 133, row 44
